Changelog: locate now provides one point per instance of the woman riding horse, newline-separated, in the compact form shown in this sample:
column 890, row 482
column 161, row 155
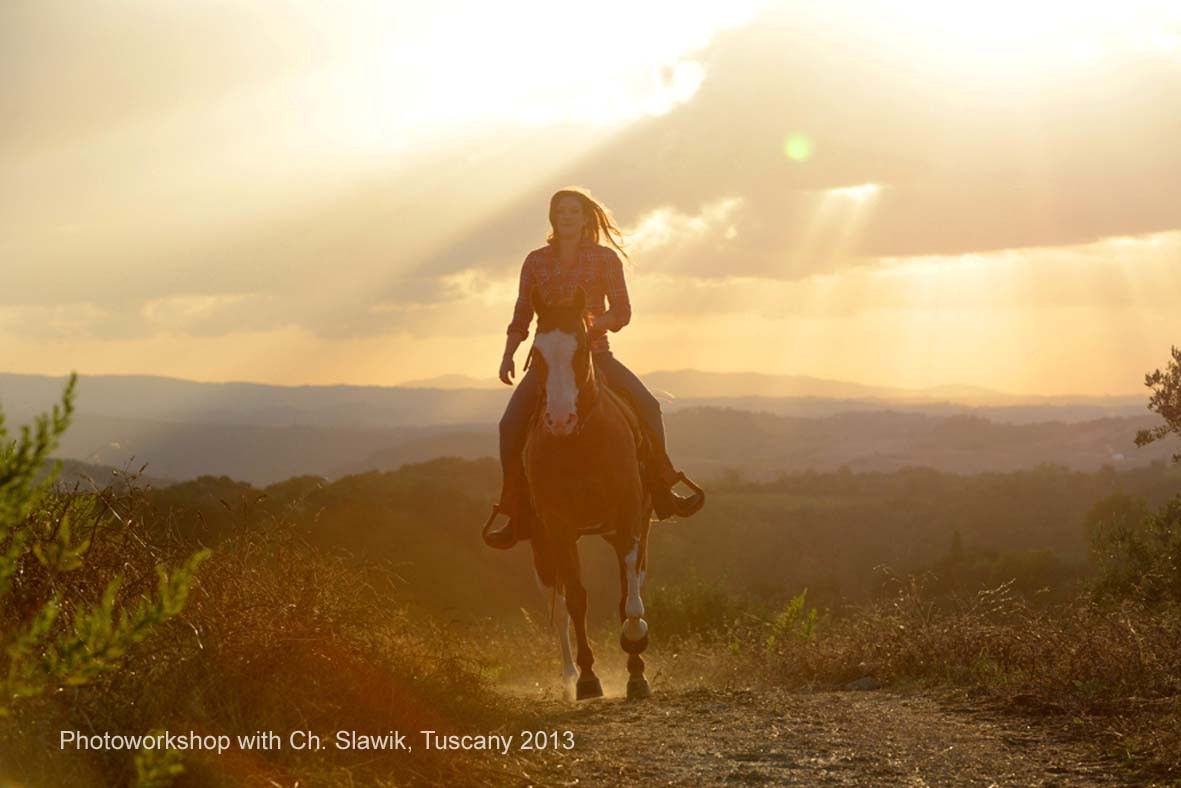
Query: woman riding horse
column 573, row 258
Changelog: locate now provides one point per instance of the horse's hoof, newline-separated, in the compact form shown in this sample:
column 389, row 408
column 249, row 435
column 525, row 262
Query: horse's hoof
column 591, row 688
column 638, row 689
column 568, row 683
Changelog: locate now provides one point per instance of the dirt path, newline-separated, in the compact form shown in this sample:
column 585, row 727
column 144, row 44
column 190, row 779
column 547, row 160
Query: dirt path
column 702, row 737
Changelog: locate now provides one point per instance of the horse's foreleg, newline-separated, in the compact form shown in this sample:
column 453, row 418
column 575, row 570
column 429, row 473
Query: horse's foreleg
column 588, row 685
column 634, row 638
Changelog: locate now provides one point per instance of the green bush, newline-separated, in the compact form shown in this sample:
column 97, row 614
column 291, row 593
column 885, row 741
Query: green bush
column 1137, row 553
column 796, row 620
column 65, row 641
column 54, row 633
column 1165, row 401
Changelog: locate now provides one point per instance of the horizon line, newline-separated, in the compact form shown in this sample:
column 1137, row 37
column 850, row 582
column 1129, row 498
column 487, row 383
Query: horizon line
column 984, row 390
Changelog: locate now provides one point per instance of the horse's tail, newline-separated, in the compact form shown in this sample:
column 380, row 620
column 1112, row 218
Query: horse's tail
column 556, row 563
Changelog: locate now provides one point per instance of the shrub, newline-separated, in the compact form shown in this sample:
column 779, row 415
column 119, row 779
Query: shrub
column 792, row 622
column 53, row 635
column 276, row 634
column 702, row 608
column 1137, row 553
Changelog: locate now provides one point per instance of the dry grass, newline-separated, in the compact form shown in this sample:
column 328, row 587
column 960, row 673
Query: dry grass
column 277, row 635
column 1113, row 668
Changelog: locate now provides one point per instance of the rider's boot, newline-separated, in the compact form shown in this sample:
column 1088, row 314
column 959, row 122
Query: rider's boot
column 515, row 504
column 662, row 477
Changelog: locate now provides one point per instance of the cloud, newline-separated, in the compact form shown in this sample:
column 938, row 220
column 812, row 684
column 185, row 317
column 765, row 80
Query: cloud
column 464, row 304
column 666, row 228
column 1118, row 273
column 1107, row 275
column 967, row 155
column 808, row 143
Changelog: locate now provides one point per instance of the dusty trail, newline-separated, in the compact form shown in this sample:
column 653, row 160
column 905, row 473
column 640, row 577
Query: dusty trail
column 703, row 737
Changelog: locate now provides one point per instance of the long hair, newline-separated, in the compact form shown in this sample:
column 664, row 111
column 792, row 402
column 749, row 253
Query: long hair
column 601, row 225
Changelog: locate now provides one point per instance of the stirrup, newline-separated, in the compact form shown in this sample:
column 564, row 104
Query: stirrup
column 675, row 504
column 502, row 538
column 692, row 505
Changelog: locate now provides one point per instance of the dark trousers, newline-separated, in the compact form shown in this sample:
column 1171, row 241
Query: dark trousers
column 515, row 421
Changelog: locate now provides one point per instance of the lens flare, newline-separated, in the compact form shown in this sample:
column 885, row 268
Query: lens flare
column 798, row 147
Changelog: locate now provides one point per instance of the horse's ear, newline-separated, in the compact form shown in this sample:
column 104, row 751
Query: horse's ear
column 579, row 300
column 535, row 299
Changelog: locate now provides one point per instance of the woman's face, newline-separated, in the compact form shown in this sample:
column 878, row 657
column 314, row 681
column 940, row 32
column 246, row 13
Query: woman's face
column 569, row 218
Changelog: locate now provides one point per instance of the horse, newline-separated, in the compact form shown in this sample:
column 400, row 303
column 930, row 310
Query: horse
column 582, row 461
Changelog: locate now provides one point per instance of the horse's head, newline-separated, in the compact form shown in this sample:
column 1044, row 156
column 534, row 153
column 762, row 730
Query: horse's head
column 562, row 352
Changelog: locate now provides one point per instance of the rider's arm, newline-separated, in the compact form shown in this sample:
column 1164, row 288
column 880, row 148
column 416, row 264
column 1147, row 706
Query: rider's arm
column 518, row 328
column 620, row 312
column 511, row 344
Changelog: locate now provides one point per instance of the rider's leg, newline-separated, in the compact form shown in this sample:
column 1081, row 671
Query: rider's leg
column 514, row 495
column 662, row 473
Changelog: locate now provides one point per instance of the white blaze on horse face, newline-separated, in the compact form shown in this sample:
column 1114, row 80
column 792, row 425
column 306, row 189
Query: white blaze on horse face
column 561, row 390
column 635, row 627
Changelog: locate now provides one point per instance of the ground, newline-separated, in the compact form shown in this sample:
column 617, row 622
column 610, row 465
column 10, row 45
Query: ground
column 700, row 737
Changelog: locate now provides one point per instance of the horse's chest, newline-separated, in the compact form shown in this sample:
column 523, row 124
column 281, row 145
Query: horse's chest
column 572, row 484
column 582, row 485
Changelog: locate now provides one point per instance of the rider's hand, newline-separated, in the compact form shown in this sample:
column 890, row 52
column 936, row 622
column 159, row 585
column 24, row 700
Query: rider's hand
column 590, row 325
column 507, row 370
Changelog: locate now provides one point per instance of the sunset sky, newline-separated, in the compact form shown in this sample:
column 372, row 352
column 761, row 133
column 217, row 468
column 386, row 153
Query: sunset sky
column 903, row 194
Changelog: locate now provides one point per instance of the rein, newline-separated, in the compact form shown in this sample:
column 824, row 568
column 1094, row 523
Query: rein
column 595, row 395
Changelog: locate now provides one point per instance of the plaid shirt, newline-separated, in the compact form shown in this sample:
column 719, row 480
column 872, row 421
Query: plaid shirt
column 598, row 270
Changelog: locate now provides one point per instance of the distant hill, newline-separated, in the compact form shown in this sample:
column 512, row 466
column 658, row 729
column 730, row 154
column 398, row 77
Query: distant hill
column 706, row 441
column 762, row 445
column 74, row 472
column 710, row 442
column 692, row 383
column 452, row 382
column 264, row 434
column 260, row 455
column 467, row 444
column 695, row 383
column 183, row 401
column 254, row 404
column 1065, row 409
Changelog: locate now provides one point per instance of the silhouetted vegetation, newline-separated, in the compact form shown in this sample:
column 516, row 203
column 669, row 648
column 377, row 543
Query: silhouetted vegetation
column 273, row 633
column 368, row 603
column 1137, row 553
column 1165, row 401
column 829, row 532
column 1050, row 589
